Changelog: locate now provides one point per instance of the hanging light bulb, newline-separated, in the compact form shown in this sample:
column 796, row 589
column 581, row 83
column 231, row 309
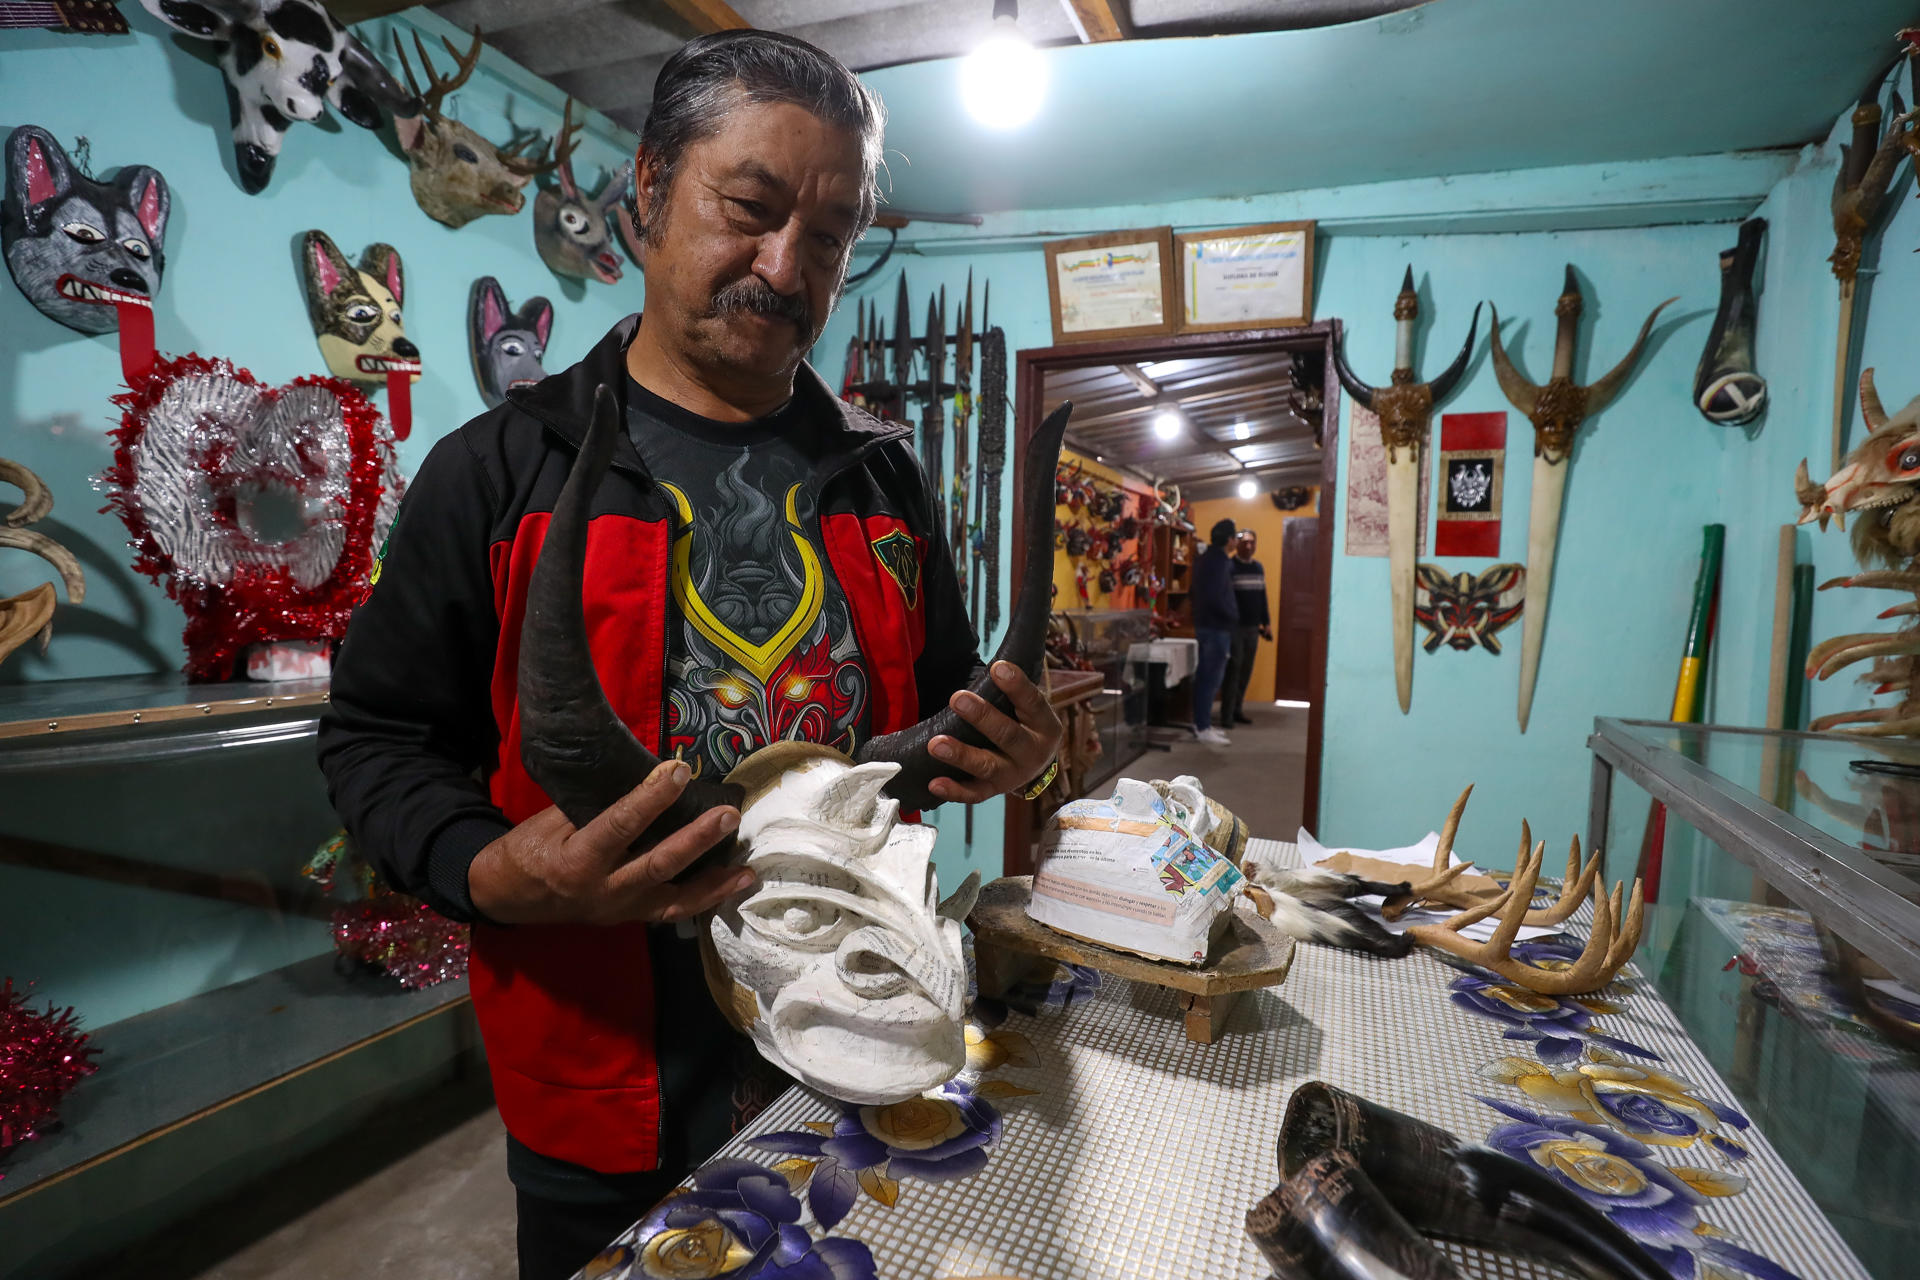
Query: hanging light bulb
column 1166, row 424
column 1004, row 80
column 1248, row 489
column 1241, row 431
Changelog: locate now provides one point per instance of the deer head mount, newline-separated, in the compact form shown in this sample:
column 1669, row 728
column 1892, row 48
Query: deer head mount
column 570, row 227
column 457, row 175
column 285, row 60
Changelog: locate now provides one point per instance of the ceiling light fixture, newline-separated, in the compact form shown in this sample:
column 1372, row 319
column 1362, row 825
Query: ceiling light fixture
column 1249, row 489
column 1166, row 424
column 1004, row 80
column 1241, row 430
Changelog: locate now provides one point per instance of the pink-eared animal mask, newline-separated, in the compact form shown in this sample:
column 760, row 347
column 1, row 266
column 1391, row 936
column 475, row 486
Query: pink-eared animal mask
column 356, row 316
column 87, row 254
column 457, row 174
column 507, row 345
column 569, row 227
column 285, row 60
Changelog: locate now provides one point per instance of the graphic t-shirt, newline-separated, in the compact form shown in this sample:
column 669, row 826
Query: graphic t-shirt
column 760, row 645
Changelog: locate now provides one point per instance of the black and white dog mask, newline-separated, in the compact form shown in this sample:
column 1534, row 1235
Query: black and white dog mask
column 507, row 345
column 284, row 60
column 82, row 251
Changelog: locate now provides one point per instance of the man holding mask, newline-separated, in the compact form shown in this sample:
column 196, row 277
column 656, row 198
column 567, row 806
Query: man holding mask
column 763, row 563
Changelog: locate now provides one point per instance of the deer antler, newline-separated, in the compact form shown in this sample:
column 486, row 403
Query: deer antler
column 561, row 147
column 1395, row 907
column 1608, row 947
column 437, row 89
column 1573, row 888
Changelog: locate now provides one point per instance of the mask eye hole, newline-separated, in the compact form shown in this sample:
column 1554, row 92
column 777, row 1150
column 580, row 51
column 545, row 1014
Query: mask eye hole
column 465, row 152
column 363, row 313
column 1908, row 459
column 394, row 315
column 85, row 233
column 270, row 47
column 513, row 347
column 801, row 921
column 138, row 248
column 573, row 220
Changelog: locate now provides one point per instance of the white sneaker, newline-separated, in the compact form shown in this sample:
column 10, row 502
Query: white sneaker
column 1215, row 738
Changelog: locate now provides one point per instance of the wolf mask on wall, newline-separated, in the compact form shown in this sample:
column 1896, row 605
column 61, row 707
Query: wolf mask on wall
column 507, row 345
column 356, row 316
column 284, row 60
column 85, row 253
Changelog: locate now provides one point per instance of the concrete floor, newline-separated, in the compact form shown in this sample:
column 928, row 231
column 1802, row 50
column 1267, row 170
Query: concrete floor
column 425, row 1195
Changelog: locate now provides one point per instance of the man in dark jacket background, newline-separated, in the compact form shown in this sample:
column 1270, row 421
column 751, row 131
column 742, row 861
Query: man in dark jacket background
column 1255, row 625
column 1215, row 615
column 763, row 563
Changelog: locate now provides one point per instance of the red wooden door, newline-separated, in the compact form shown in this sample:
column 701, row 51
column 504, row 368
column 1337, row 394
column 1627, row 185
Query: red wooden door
column 1297, row 615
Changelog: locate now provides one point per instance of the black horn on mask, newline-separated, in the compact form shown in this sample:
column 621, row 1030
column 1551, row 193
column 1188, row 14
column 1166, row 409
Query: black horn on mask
column 572, row 743
column 1025, row 644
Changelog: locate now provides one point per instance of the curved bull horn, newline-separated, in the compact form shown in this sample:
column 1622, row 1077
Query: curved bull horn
column 62, row 560
column 35, row 498
column 1024, row 645
column 1360, row 391
column 1609, row 384
column 1870, row 407
column 1443, row 385
column 1523, row 394
column 572, row 743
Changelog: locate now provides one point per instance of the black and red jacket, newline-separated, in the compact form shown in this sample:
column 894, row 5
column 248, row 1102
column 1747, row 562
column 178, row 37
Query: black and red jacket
column 421, row 741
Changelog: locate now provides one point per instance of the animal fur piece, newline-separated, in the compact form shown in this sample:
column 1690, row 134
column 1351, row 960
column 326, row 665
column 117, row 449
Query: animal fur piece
column 285, row 60
column 507, row 345
column 356, row 311
column 1879, row 482
column 457, row 175
column 80, row 249
column 1317, row 905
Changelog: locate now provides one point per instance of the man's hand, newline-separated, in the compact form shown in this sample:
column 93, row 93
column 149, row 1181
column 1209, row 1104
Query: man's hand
column 1266, row 632
column 546, row 871
column 1025, row 745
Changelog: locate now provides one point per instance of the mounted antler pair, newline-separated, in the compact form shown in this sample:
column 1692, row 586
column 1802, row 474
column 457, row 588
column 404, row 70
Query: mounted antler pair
column 29, row 615
column 1608, row 947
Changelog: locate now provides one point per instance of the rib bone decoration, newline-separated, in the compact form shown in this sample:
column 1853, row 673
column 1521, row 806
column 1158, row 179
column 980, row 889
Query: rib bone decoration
column 1879, row 483
column 1556, row 410
column 841, row 964
column 1366, row 1187
column 1405, row 408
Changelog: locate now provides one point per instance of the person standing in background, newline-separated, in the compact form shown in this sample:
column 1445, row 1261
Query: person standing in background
column 1255, row 625
column 1215, row 615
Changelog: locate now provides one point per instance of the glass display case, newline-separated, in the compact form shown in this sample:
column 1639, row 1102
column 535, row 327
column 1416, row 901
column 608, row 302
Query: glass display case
column 1782, row 879
column 152, row 840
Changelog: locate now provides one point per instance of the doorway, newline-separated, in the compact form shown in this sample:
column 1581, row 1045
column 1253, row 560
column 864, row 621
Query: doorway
column 1259, row 405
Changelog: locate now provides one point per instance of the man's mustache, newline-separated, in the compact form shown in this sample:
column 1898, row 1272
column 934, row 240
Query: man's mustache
column 753, row 296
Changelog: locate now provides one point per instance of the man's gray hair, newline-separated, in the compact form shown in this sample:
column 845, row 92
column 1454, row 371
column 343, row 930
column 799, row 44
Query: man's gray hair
column 709, row 76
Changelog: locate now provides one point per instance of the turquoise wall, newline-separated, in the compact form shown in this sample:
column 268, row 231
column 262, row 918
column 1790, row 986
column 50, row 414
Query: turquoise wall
column 232, row 289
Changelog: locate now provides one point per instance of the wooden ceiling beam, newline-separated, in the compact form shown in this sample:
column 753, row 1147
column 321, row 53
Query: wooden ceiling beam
column 1146, row 386
column 1096, row 20
column 708, row 16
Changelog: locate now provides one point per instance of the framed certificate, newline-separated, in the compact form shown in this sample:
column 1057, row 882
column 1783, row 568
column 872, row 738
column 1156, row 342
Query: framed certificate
column 1117, row 285
column 1246, row 278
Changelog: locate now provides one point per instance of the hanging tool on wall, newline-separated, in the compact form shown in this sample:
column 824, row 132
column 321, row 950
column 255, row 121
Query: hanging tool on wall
column 1859, row 195
column 933, row 409
column 993, row 461
column 962, row 418
column 1556, row 411
column 856, row 376
column 1726, row 387
column 1405, row 408
column 902, row 352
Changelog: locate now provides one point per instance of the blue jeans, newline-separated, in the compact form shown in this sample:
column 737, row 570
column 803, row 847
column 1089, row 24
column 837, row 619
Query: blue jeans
column 1215, row 644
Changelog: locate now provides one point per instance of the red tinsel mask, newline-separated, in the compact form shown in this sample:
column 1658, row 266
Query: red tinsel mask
column 261, row 505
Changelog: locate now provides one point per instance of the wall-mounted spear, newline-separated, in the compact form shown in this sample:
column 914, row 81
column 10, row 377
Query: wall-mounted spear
column 1859, row 193
column 1405, row 409
column 1556, row 411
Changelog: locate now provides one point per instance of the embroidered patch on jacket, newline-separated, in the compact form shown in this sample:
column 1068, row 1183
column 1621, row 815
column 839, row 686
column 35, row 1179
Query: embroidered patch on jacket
column 900, row 558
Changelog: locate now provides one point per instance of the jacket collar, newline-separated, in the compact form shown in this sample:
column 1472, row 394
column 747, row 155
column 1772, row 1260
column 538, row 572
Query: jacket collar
column 564, row 401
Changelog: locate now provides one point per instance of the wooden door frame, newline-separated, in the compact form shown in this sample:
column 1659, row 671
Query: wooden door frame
column 1033, row 364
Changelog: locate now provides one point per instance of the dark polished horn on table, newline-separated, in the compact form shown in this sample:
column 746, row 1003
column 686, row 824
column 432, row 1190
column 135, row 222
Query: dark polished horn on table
column 1463, row 1192
column 577, row 750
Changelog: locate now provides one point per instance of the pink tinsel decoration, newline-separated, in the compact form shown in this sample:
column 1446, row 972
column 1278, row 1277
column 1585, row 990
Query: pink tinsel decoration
column 402, row 937
column 42, row 1055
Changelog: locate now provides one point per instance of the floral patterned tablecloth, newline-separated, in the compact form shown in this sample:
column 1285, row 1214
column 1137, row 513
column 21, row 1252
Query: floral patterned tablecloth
column 1089, row 1138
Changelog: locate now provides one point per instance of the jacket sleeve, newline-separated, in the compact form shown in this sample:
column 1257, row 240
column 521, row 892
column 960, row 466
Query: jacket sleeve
column 1266, row 618
column 409, row 729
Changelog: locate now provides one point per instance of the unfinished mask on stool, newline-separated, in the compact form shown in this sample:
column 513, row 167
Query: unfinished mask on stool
column 840, row 965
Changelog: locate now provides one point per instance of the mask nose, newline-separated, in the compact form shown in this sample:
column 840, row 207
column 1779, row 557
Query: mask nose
column 404, row 347
column 127, row 278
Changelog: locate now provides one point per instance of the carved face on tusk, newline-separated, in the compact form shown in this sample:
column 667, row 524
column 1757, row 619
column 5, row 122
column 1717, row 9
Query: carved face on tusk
column 841, row 965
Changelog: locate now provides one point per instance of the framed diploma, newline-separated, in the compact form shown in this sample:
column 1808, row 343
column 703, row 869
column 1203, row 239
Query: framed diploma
column 1246, row 278
column 1117, row 285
